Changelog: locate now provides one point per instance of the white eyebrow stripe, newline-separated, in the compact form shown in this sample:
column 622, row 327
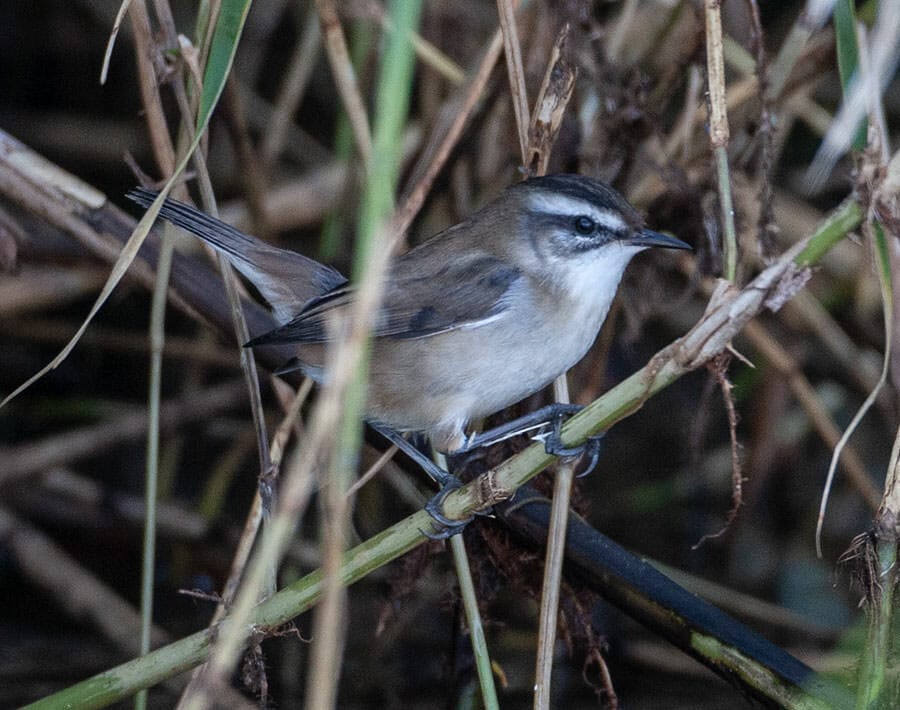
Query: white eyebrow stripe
column 606, row 218
column 564, row 205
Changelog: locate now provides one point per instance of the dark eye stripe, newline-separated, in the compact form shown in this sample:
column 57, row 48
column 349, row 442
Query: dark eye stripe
column 609, row 226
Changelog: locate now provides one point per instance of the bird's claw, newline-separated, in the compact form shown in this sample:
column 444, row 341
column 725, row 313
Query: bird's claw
column 444, row 527
column 553, row 445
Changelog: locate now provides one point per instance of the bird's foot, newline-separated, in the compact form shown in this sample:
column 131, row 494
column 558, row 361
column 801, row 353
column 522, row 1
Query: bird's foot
column 553, row 444
column 445, row 527
column 533, row 420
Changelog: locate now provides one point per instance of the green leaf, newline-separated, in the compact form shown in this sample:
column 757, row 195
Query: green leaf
column 848, row 56
column 229, row 26
column 391, row 109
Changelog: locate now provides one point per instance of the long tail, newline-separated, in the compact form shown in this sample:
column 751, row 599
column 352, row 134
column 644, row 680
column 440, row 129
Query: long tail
column 286, row 279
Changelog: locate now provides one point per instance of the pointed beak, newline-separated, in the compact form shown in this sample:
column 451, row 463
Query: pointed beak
column 649, row 238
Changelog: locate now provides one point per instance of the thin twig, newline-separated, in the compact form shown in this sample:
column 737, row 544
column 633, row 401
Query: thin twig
column 345, row 77
column 426, row 52
column 472, row 613
column 425, row 173
column 145, row 49
column 296, row 78
column 550, row 106
column 815, row 409
column 36, row 456
column 718, row 130
column 507, row 12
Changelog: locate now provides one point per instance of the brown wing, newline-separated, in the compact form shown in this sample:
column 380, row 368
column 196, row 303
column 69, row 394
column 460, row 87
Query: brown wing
column 419, row 300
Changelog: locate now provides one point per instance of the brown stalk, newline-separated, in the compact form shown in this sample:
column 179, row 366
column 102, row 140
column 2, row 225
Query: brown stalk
column 507, row 12
column 457, row 113
column 147, row 60
column 345, row 77
column 546, row 119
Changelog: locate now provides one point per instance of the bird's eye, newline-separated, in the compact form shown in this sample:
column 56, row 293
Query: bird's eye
column 585, row 225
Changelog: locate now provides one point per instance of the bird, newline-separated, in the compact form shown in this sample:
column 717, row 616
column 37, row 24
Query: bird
column 473, row 319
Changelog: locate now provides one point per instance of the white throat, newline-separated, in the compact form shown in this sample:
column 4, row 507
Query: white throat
column 590, row 280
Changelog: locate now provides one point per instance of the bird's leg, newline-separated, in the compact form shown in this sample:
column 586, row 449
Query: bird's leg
column 435, row 472
column 446, row 527
column 553, row 414
column 448, row 483
column 533, row 420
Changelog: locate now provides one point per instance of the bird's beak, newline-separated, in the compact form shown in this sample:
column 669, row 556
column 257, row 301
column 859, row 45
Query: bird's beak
column 649, row 238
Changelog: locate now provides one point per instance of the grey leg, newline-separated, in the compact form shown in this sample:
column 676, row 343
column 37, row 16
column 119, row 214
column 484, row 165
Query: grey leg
column 446, row 526
column 532, row 420
column 553, row 414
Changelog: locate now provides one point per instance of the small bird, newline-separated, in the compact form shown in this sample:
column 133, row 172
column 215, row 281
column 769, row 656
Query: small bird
column 473, row 319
